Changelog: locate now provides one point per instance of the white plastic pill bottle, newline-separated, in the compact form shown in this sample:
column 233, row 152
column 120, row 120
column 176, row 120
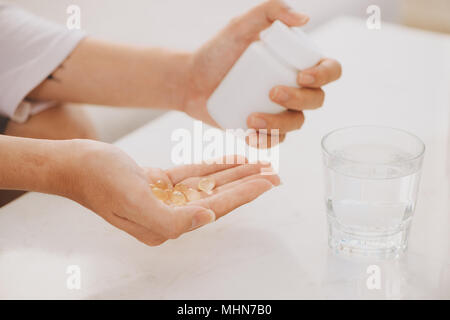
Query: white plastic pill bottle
column 274, row 60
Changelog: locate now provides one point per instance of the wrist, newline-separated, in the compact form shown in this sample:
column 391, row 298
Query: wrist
column 161, row 79
column 34, row 164
column 61, row 170
column 183, row 81
column 70, row 174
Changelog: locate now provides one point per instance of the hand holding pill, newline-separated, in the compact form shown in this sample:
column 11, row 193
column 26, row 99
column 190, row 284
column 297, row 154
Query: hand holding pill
column 155, row 205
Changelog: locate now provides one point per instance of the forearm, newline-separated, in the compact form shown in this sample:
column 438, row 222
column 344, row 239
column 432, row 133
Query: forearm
column 99, row 72
column 32, row 164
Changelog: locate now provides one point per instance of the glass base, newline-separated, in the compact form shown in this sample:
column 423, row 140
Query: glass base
column 374, row 244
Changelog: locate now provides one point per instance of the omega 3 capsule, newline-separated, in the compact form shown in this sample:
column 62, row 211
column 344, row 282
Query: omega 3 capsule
column 206, row 185
column 177, row 198
column 160, row 194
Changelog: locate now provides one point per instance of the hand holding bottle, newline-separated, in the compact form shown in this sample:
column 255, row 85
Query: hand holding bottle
column 212, row 61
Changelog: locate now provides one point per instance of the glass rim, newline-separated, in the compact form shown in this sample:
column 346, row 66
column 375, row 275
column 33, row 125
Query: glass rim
column 412, row 158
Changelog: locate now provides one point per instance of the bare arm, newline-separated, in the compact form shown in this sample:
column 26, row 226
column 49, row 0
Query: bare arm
column 32, row 164
column 99, row 72
column 107, row 181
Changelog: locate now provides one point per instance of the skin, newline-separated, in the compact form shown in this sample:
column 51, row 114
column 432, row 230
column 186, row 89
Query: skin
column 107, row 181
column 97, row 72
column 60, row 122
column 97, row 175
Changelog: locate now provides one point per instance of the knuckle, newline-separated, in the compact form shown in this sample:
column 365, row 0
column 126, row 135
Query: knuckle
column 300, row 99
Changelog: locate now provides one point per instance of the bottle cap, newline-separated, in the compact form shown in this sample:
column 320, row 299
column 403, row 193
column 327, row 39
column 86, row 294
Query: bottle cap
column 291, row 44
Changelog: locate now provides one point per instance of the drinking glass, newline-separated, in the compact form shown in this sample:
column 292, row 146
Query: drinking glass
column 372, row 177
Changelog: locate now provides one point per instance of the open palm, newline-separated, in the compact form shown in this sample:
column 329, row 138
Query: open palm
column 236, row 184
column 106, row 180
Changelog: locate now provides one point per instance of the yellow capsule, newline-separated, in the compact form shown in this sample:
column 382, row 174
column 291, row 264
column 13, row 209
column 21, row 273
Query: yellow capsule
column 160, row 194
column 161, row 184
column 181, row 187
column 177, row 198
column 192, row 194
column 206, row 185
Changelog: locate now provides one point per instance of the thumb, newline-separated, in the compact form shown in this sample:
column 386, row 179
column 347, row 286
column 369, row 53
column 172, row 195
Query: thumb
column 259, row 18
column 193, row 217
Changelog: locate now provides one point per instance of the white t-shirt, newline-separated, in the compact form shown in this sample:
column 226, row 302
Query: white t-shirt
column 31, row 48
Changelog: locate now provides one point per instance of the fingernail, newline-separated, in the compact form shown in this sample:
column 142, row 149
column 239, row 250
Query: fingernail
column 280, row 95
column 202, row 218
column 305, row 19
column 305, row 78
column 258, row 123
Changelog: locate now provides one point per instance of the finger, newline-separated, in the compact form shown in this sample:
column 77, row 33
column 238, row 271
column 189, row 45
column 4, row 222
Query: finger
column 155, row 174
column 285, row 121
column 170, row 222
column 230, row 199
column 279, row 10
column 137, row 231
column 274, row 179
column 228, row 175
column 144, row 209
column 298, row 98
column 249, row 25
column 261, row 140
column 180, row 173
column 188, row 218
column 326, row 71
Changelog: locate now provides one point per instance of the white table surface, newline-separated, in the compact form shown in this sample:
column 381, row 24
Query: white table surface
column 275, row 247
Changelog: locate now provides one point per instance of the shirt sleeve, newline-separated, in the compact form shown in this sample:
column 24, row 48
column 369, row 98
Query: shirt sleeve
column 31, row 48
